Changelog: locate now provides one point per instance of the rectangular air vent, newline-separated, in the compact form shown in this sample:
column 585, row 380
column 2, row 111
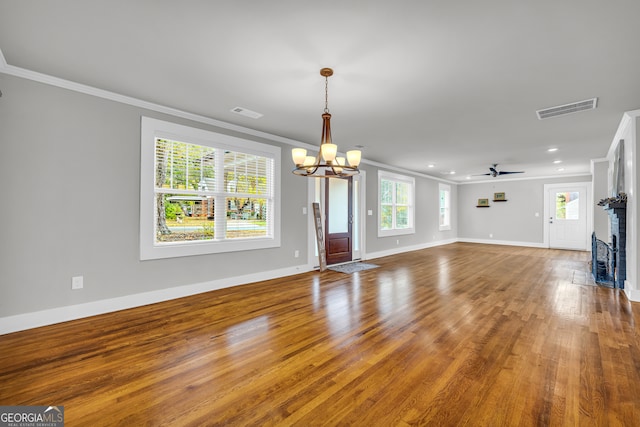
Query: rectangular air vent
column 561, row 110
column 246, row 113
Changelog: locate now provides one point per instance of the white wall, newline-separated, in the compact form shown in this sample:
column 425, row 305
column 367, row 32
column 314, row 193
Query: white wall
column 518, row 221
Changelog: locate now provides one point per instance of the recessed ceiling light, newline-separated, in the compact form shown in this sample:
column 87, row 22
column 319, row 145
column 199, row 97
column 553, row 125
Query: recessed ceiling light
column 468, row 177
column 452, row 172
column 431, row 165
column 560, row 169
column 557, row 161
column 551, row 150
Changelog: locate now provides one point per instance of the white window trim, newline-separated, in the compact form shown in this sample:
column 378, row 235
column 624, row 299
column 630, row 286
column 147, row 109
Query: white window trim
column 152, row 129
column 447, row 188
column 397, row 178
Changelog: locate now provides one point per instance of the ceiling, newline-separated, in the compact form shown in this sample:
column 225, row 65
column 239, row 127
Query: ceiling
column 417, row 83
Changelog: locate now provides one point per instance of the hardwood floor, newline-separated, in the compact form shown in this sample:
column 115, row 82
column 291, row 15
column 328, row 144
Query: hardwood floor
column 462, row 334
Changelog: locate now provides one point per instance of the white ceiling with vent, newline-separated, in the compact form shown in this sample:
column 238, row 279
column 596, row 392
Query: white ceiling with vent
column 561, row 110
column 455, row 84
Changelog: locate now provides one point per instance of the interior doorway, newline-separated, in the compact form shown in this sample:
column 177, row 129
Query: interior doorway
column 567, row 216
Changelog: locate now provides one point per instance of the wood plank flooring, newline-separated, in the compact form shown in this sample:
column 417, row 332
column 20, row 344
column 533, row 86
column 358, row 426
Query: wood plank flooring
column 462, row 334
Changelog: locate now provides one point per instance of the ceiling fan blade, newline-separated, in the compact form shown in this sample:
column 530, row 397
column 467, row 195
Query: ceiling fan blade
column 481, row 174
column 507, row 173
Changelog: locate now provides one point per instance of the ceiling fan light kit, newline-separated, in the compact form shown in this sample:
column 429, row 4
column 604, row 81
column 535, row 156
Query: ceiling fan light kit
column 327, row 164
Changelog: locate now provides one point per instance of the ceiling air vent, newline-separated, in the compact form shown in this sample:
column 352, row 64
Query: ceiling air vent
column 246, row 113
column 561, row 110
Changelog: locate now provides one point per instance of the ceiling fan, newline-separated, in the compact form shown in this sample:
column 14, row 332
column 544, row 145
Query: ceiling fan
column 495, row 172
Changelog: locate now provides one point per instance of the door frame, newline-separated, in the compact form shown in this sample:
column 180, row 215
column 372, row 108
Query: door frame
column 313, row 183
column 547, row 210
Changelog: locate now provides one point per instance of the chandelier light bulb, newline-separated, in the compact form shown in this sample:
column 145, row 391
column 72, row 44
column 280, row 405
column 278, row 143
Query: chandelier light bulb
column 354, row 157
column 298, row 155
column 329, row 152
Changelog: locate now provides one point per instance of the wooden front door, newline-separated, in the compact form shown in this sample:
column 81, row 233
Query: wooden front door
column 338, row 220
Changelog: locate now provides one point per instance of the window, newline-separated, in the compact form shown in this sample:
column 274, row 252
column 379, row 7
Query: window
column 203, row 192
column 445, row 207
column 567, row 205
column 395, row 210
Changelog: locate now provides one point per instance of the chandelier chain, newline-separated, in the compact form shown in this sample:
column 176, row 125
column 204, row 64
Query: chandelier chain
column 326, row 94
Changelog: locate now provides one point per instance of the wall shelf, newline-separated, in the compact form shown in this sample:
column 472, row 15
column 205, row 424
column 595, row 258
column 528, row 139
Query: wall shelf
column 501, row 200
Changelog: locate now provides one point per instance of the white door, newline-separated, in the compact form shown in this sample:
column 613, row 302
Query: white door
column 568, row 217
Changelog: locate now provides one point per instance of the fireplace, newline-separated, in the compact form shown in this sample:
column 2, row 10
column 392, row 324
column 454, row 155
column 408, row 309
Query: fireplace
column 609, row 264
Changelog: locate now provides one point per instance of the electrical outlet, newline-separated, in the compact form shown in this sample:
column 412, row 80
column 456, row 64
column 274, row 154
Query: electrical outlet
column 77, row 282
column 398, row 242
column 296, row 254
column 491, row 236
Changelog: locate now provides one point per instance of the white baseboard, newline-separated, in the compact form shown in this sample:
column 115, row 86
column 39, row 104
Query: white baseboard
column 52, row 316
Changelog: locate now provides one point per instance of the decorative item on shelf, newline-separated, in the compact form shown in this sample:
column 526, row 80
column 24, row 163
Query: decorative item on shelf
column 326, row 160
column 499, row 197
column 619, row 200
column 483, row 203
